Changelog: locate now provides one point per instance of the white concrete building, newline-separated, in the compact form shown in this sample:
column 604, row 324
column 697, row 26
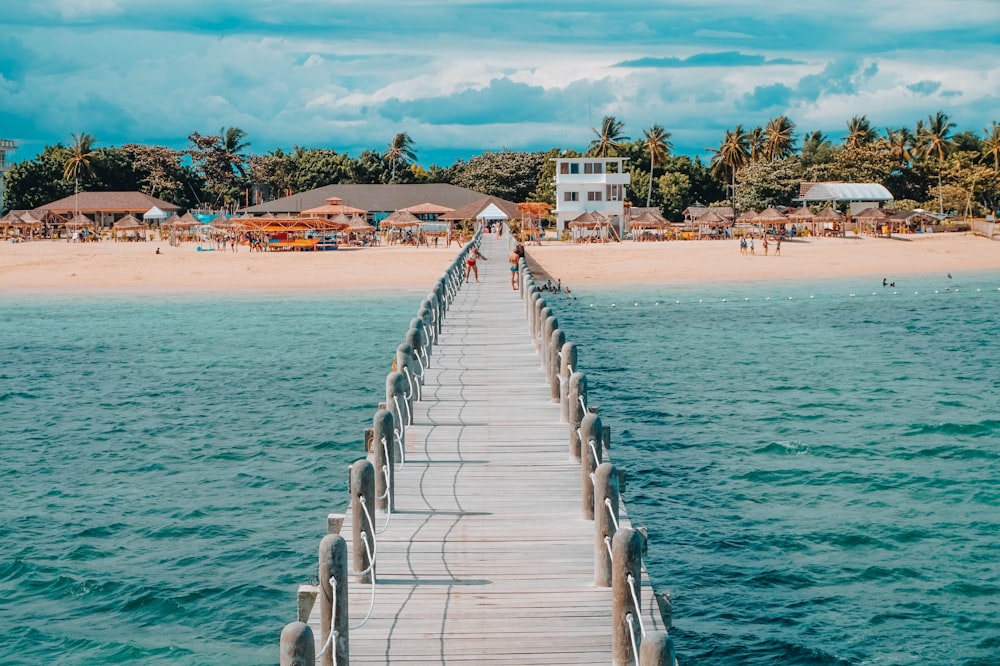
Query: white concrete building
column 595, row 184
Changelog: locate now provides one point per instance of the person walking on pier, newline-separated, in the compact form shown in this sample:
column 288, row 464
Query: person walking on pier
column 515, row 260
column 470, row 263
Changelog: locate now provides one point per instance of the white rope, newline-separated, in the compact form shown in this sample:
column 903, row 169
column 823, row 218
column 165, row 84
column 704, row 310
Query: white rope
column 333, row 618
column 364, row 538
column 421, row 363
column 631, row 634
column 399, row 410
column 635, row 602
column 607, row 542
column 611, row 512
column 593, row 450
column 371, row 603
column 385, row 477
column 409, row 382
column 583, row 404
column 388, row 486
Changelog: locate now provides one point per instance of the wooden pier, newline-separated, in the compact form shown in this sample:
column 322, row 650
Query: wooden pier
column 486, row 557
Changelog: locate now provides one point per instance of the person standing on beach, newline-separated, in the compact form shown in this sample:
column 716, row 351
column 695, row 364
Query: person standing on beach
column 765, row 246
column 777, row 248
column 751, row 245
column 743, row 245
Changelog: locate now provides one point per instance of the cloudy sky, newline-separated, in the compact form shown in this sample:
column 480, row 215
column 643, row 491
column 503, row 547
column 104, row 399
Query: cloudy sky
column 465, row 76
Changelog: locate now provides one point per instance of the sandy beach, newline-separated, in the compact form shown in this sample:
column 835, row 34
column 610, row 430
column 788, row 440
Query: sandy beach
column 629, row 263
column 62, row 267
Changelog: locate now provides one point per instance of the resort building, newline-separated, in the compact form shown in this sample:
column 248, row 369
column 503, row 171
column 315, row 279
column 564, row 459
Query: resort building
column 106, row 208
column 591, row 184
column 857, row 196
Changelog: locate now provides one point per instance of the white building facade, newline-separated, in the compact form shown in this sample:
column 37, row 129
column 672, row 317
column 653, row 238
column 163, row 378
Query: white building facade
column 595, row 184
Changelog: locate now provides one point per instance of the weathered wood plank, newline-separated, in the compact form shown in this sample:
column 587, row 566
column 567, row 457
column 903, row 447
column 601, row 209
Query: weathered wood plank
column 487, row 558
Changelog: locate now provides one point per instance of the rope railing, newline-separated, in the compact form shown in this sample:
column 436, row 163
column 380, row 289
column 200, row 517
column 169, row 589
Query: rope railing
column 371, row 602
column 611, row 513
column 635, row 602
column 631, row 633
column 333, row 632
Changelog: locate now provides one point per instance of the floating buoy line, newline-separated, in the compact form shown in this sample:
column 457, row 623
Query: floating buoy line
column 773, row 299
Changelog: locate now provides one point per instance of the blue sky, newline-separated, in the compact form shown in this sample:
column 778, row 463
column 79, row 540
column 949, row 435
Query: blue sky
column 467, row 76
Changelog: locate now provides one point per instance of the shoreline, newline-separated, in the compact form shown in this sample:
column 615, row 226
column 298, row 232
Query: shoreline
column 134, row 269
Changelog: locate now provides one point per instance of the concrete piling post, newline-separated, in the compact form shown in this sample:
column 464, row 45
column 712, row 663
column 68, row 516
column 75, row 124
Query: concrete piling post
column 549, row 326
column 590, row 456
column 423, row 338
column 435, row 307
column 555, row 348
column 384, row 454
column 626, row 548
column 543, row 314
column 415, row 338
column 567, row 366
column 298, row 647
column 405, row 365
column 577, row 388
column 395, row 399
column 529, row 308
column 605, row 519
column 657, row 650
column 333, row 609
column 426, row 315
column 537, row 320
column 362, row 520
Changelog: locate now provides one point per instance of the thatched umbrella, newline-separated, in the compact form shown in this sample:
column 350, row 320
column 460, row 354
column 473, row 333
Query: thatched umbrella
column 592, row 221
column 829, row 215
column 873, row 217
column 649, row 220
column 803, row 216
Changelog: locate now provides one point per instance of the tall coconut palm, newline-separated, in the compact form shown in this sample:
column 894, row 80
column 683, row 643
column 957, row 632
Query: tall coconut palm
column 657, row 142
column 755, row 142
column 731, row 155
column 79, row 158
column 991, row 145
column 399, row 151
column 233, row 145
column 859, row 132
column 610, row 137
column 901, row 145
column 934, row 138
column 779, row 140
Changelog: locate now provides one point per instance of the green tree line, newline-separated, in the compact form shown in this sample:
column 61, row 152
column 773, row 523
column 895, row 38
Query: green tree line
column 929, row 166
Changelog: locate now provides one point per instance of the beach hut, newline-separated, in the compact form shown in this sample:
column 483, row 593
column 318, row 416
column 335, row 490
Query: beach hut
column 646, row 223
column 875, row 221
column 401, row 227
column 129, row 228
column 712, row 223
column 333, row 207
column 771, row 220
column 803, row 216
column 830, row 222
column 532, row 214
column 590, row 227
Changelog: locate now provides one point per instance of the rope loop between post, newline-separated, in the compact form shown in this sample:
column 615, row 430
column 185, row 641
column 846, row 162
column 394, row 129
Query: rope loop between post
column 631, row 635
column 333, row 617
column 611, row 512
column 371, row 603
column 635, row 602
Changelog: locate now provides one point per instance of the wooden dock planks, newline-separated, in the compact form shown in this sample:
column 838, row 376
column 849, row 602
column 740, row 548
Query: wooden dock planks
column 486, row 558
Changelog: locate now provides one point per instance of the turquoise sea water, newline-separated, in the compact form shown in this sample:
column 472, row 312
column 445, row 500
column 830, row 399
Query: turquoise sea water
column 820, row 472
column 819, row 475
column 168, row 465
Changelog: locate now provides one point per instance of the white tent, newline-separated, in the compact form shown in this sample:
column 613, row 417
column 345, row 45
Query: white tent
column 154, row 213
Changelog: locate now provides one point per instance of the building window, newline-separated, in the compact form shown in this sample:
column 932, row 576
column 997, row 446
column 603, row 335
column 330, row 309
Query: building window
column 574, row 167
column 571, row 196
column 564, row 167
column 594, row 196
column 593, row 167
column 615, row 192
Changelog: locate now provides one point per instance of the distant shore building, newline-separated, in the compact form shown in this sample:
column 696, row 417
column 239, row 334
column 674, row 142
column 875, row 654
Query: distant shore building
column 591, row 184
column 858, row 196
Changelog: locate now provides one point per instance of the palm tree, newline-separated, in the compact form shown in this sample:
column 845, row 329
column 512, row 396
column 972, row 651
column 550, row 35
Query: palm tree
column 934, row 139
column 779, row 142
column 400, row 150
column 901, row 145
column 991, row 145
column 79, row 158
column 657, row 141
column 609, row 138
column 859, row 132
column 732, row 154
column 755, row 139
column 233, row 146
